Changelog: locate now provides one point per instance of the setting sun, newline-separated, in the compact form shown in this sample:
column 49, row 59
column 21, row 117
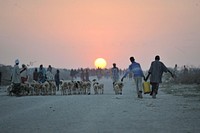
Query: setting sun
column 100, row 63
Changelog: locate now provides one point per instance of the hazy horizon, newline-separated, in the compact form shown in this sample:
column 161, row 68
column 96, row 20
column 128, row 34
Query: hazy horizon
column 73, row 33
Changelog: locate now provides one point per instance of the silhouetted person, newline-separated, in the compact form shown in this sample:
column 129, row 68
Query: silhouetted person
column 49, row 68
column 16, row 79
column 42, row 74
column 35, row 75
column 137, row 72
column 175, row 71
column 156, row 71
column 57, row 79
column 185, row 70
column 115, row 73
column 49, row 74
column 87, row 75
column 82, row 75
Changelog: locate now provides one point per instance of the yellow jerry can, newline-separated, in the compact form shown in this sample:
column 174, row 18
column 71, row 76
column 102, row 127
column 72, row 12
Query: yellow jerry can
column 146, row 87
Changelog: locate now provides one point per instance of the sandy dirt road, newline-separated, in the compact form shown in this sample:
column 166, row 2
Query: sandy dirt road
column 107, row 113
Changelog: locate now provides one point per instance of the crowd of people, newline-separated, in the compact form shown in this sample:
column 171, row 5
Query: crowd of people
column 157, row 68
column 39, row 75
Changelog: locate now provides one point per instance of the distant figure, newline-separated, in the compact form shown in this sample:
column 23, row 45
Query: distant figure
column 185, row 70
column 156, row 70
column 49, row 68
column 115, row 73
column 42, row 74
column 16, row 79
column 175, row 71
column 99, row 73
column 87, row 75
column 137, row 72
column 57, row 79
column 175, row 68
column 24, row 74
column 49, row 74
column 82, row 75
column 107, row 73
column 35, row 75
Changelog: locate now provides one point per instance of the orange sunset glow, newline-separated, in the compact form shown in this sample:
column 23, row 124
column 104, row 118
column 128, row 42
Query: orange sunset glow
column 73, row 33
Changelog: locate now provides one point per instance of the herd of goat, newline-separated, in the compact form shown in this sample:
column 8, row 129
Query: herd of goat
column 66, row 88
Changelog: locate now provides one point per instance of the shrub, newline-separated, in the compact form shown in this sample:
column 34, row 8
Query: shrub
column 189, row 76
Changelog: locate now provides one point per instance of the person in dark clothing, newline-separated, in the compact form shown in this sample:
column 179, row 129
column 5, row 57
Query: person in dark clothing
column 42, row 74
column 87, row 75
column 57, row 79
column 35, row 75
column 49, row 68
column 156, row 71
column 115, row 73
column 82, row 75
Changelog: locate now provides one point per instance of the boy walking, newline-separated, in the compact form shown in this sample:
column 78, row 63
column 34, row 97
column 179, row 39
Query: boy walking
column 156, row 70
column 136, row 69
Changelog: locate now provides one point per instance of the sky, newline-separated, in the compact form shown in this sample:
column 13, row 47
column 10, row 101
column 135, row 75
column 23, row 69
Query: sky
column 73, row 33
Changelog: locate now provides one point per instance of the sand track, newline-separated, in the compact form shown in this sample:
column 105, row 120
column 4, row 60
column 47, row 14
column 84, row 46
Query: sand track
column 105, row 113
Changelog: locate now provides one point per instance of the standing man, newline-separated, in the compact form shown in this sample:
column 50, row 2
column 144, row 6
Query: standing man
column 115, row 73
column 87, row 75
column 82, row 75
column 57, row 79
column 41, row 74
column 156, row 70
column 49, row 68
column 35, row 75
column 16, row 79
column 136, row 69
column 49, row 74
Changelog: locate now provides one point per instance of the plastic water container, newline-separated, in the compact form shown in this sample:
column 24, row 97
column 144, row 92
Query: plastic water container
column 146, row 87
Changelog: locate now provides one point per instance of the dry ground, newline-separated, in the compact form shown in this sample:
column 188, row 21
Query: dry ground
column 176, row 110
